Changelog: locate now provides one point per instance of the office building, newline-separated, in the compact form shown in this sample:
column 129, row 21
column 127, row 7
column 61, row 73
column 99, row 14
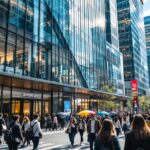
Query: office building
column 132, row 44
column 52, row 56
column 147, row 36
column 114, row 56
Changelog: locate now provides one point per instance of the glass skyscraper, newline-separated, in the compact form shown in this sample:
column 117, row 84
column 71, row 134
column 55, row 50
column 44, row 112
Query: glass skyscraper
column 52, row 52
column 147, row 36
column 114, row 56
column 132, row 43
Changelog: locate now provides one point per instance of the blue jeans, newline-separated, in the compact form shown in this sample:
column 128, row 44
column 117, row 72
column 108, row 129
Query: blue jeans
column 35, row 143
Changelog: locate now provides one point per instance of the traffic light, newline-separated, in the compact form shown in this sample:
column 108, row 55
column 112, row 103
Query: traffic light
column 135, row 101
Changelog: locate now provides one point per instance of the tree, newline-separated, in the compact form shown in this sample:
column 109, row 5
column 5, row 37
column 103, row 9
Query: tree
column 143, row 102
column 108, row 103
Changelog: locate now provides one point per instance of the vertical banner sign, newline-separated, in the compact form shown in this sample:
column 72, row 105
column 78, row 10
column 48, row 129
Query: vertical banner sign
column 134, row 85
column 67, row 106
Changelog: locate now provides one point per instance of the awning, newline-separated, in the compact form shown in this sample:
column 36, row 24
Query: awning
column 16, row 81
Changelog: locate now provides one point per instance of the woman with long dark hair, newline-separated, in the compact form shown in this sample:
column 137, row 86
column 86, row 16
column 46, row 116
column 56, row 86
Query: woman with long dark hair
column 107, row 138
column 139, row 136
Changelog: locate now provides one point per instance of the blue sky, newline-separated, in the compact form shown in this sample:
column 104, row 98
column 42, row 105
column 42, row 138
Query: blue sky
column 146, row 7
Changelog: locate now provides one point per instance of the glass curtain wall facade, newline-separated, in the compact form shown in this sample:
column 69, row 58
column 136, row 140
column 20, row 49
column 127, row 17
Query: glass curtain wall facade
column 147, row 36
column 45, row 39
column 115, row 69
column 132, row 43
column 114, row 56
column 62, row 41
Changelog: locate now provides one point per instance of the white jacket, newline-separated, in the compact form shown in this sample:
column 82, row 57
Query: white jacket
column 117, row 124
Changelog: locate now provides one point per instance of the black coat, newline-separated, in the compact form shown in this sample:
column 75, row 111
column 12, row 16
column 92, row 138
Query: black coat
column 2, row 122
column 17, row 131
column 132, row 144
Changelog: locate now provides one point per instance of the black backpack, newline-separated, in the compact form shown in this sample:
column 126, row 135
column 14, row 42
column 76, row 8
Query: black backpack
column 7, row 136
column 30, row 133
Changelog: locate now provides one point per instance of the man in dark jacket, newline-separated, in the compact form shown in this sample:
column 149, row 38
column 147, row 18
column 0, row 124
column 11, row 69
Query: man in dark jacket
column 93, row 127
column 2, row 122
column 16, row 133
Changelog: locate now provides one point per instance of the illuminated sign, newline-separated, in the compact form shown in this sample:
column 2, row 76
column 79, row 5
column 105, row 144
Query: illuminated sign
column 29, row 95
column 134, row 85
column 67, row 106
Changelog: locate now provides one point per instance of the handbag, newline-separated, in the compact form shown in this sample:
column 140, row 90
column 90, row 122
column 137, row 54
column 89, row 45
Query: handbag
column 40, row 135
column 67, row 131
column 15, row 139
column 4, row 128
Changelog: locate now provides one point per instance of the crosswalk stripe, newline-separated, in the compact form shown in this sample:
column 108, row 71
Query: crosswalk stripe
column 3, row 147
column 51, row 147
column 48, row 146
column 40, row 146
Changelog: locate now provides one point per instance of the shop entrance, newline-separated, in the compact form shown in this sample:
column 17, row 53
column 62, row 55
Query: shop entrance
column 26, row 107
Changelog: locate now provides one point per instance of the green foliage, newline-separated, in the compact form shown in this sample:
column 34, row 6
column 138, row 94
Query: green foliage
column 108, row 89
column 108, row 103
column 143, row 101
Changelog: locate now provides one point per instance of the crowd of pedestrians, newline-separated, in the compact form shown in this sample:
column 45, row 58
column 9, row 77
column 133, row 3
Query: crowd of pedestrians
column 102, row 131
column 19, row 133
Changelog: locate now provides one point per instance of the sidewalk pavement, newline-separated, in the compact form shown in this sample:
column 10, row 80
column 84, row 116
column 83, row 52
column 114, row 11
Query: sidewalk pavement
column 52, row 131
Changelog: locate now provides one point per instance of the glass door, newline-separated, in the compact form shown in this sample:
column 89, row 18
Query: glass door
column 37, row 107
column 16, row 107
column 27, row 108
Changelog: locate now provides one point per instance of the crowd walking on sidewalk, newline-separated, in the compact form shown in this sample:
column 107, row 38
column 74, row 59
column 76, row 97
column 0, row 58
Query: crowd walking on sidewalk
column 102, row 130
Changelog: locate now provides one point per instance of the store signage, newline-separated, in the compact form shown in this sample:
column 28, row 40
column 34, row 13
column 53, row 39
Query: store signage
column 29, row 95
column 134, row 85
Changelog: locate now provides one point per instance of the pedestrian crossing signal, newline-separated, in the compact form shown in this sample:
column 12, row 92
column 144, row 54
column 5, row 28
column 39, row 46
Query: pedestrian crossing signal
column 135, row 101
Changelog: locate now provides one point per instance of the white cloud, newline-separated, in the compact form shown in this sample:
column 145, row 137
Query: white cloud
column 147, row 12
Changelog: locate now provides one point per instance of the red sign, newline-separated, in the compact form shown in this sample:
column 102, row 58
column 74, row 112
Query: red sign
column 134, row 85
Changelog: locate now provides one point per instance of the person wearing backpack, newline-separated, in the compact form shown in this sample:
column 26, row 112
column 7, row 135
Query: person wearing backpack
column 139, row 136
column 37, row 132
column 2, row 123
column 16, row 134
column 107, row 139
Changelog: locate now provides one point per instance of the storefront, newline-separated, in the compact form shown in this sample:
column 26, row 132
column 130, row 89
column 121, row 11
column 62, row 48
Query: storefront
column 23, row 96
column 24, row 102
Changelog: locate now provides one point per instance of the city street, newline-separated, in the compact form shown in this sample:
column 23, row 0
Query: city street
column 58, row 140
